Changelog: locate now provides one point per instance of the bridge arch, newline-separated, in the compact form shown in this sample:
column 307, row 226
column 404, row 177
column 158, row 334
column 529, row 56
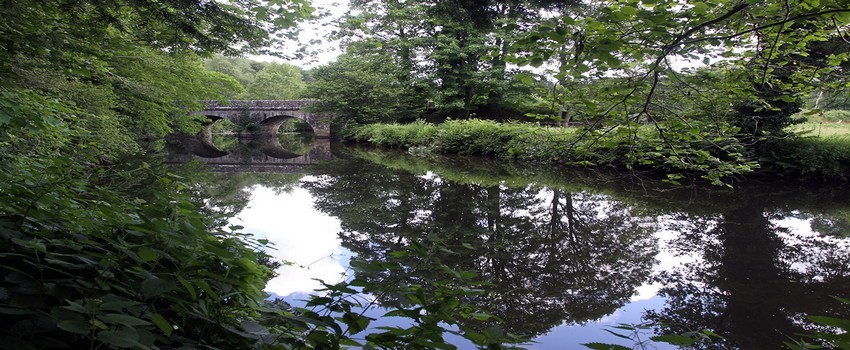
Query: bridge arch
column 271, row 125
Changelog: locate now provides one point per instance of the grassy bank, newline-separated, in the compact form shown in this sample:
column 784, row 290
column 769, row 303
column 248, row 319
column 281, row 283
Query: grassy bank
column 695, row 153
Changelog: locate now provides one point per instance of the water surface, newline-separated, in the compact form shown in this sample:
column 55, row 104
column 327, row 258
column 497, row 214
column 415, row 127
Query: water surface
column 565, row 254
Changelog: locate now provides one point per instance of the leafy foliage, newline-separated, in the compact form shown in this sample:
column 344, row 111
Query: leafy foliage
column 365, row 89
column 633, row 146
column 277, row 81
column 453, row 52
column 99, row 247
column 89, row 259
column 768, row 55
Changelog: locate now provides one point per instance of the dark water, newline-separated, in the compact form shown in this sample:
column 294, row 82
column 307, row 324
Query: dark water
column 566, row 255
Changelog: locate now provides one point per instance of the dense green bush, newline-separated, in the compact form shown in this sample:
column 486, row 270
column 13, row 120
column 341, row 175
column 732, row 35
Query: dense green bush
column 810, row 158
column 115, row 255
column 86, row 267
column 681, row 154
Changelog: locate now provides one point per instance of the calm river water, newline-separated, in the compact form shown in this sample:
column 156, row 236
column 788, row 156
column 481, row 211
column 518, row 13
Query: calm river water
column 567, row 255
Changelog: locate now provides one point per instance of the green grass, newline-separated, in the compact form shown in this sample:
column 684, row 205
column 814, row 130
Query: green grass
column 822, row 129
column 823, row 123
column 824, row 157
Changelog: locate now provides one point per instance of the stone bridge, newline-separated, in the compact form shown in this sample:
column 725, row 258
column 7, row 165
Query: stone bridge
column 268, row 114
column 260, row 149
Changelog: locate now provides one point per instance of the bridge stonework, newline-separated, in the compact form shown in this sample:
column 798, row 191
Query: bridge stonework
column 269, row 114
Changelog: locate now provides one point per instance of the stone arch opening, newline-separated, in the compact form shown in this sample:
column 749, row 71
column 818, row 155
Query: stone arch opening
column 201, row 146
column 286, row 136
column 272, row 125
column 219, row 133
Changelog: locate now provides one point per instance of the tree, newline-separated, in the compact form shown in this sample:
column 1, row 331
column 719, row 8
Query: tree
column 366, row 89
column 242, row 69
column 456, row 50
column 277, row 81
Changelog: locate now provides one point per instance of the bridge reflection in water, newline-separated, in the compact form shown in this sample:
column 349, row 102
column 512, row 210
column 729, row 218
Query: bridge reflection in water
column 260, row 154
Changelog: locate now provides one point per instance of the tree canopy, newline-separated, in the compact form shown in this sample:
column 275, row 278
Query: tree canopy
column 102, row 246
column 698, row 83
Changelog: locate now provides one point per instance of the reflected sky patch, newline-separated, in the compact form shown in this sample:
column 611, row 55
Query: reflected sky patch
column 300, row 234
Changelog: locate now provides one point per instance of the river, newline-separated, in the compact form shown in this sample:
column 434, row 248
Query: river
column 564, row 255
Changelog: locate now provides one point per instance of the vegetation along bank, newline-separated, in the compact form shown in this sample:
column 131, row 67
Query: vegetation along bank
column 637, row 148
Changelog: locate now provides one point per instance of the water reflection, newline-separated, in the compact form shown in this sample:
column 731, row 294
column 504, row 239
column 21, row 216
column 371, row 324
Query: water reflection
column 547, row 256
column 302, row 236
column 284, row 153
column 759, row 276
column 559, row 247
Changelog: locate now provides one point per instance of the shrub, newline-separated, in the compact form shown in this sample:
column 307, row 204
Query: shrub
column 825, row 158
column 836, row 115
column 683, row 150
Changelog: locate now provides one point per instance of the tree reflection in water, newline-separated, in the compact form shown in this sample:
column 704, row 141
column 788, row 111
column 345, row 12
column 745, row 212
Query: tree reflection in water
column 544, row 255
column 550, row 249
column 757, row 281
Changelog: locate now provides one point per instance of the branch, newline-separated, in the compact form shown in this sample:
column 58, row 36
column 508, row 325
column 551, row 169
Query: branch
column 791, row 19
column 838, row 30
column 681, row 37
column 775, row 43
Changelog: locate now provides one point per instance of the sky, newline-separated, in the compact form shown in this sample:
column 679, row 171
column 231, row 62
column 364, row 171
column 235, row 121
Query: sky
column 317, row 31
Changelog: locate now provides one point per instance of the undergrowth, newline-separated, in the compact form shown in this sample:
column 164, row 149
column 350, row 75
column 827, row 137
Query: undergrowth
column 682, row 152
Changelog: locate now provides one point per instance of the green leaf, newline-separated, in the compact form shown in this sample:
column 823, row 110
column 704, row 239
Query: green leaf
column 123, row 319
column 74, row 326
column 700, row 8
column 628, row 11
column 188, row 287
column 832, row 322
column 118, row 305
column 154, row 286
column 536, row 61
column 162, row 323
column 147, row 254
column 414, row 314
column 83, row 72
column 675, row 339
column 481, row 316
column 121, row 339
column 356, row 323
column 617, row 334
column 76, row 307
column 603, row 346
column 349, row 342
column 261, row 12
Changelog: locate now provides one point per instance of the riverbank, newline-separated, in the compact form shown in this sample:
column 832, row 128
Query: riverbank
column 690, row 155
